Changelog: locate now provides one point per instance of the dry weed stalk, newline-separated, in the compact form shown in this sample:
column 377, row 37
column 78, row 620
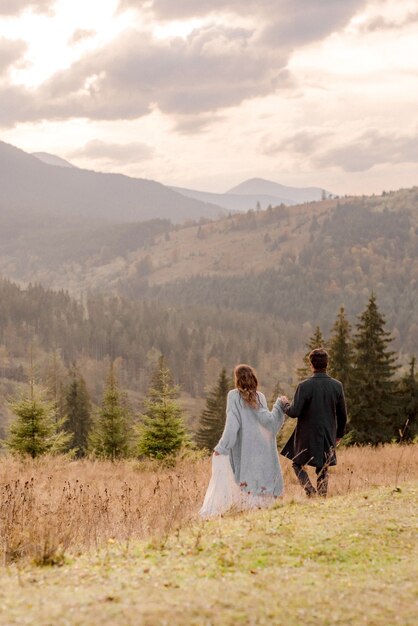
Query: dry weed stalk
column 53, row 506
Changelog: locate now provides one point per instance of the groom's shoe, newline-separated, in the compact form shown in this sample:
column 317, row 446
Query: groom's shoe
column 310, row 491
column 304, row 480
column 323, row 487
column 322, row 482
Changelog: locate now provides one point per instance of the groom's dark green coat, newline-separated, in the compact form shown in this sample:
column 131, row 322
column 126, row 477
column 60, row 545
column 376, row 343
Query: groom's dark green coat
column 319, row 405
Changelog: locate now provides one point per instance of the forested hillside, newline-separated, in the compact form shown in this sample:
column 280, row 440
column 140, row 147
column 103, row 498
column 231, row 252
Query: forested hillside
column 300, row 265
column 249, row 287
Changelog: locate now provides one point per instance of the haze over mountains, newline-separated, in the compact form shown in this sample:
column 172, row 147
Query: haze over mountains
column 290, row 195
column 33, row 188
column 257, row 193
column 41, row 186
column 248, row 286
column 251, row 194
column 51, row 159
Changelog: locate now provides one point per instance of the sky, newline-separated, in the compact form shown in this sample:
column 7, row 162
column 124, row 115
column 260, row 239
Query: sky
column 205, row 94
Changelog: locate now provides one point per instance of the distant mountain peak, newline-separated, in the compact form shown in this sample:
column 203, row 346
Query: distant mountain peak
column 52, row 159
column 261, row 186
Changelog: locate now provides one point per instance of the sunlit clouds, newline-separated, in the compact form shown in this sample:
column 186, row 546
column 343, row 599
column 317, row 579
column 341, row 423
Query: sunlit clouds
column 206, row 93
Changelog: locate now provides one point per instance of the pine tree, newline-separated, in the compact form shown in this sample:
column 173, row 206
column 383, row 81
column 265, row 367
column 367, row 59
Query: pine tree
column 341, row 353
column 162, row 433
column 316, row 341
column 109, row 437
column 373, row 406
column 78, row 411
column 212, row 419
column 35, row 431
column 55, row 384
column 407, row 391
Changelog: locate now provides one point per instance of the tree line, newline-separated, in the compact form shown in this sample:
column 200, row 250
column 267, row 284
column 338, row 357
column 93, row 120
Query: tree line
column 382, row 407
column 108, row 327
column 46, row 426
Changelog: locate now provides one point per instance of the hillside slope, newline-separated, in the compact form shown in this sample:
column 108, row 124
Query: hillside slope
column 295, row 264
column 298, row 264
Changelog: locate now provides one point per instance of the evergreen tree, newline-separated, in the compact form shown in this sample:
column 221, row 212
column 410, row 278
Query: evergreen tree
column 35, row 430
column 212, row 419
column 316, row 341
column 373, row 408
column 407, row 390
column 162, row 433
column 55, row 383
column 78, row 411
column 109, row 437
column 341, row 353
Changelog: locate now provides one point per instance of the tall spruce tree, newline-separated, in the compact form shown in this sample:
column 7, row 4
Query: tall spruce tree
column 373, row 406
column 212, row 419
column 35, row 431
column 78, row 412
column 407, row 391
column 162, row 433
column 55, row 384
column 109, row 437
column 316, row 341
column 341, row 353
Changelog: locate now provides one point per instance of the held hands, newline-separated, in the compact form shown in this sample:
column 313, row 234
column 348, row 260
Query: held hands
column 283, row 400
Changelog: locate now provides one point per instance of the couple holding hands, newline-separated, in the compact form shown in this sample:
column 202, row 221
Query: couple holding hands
column 245, row 464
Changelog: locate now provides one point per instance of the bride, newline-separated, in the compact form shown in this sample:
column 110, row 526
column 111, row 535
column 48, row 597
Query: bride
column 245, row 464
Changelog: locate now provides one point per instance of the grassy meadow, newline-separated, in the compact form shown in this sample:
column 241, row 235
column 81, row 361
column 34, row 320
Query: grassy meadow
column 90, row 542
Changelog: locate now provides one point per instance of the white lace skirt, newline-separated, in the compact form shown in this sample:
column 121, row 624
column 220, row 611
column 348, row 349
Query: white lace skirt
column 223, row 493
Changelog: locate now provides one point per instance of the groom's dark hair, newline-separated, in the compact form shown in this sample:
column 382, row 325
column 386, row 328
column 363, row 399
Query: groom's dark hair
column 319, row 359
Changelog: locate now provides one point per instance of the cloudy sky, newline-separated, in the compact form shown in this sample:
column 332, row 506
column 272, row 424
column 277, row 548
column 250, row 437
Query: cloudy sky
column 206, row 93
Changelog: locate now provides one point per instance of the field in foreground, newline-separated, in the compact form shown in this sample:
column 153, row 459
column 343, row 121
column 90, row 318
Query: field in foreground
column 351, row 559
column 54, row 508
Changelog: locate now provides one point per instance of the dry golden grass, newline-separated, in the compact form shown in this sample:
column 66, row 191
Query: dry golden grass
column 50, row 507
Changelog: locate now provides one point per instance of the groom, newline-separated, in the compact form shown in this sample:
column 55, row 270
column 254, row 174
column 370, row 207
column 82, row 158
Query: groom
column 319, row 405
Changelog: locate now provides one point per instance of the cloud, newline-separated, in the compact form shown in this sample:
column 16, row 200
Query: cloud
column 305, row 21
column 217, row 66
column 321, row 13
column 115, row 152
column 184, row 9
column 81, row 35
column 302, row 142
column 193, row 124
column 14, row 7
column 380, row 23
column 369, row 149
column 10, row 52
column 16, row 104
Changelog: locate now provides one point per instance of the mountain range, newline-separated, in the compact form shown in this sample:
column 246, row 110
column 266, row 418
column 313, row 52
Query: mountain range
column 251, row 194
column 33, row 189
column 257, row 193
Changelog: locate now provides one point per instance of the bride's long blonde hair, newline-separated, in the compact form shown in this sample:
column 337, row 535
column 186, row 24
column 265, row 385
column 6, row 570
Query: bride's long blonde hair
column 246, row 382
